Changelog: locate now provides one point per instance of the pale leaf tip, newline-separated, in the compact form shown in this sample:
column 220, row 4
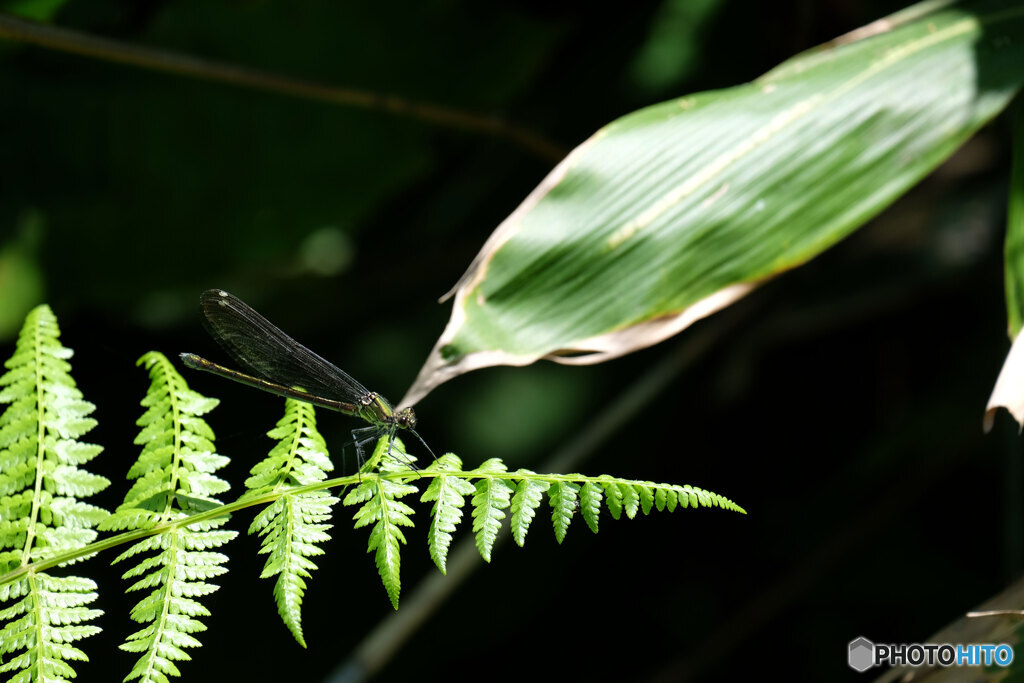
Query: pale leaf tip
column 1009, row 389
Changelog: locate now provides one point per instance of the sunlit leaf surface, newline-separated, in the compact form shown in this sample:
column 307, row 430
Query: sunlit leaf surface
column 670, row 213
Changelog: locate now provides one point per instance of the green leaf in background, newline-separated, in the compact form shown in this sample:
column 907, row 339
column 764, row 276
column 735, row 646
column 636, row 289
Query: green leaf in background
column 40, row 10
column 675, row 211
column 1009, row 389
column 1015, row 231
column 21, row 278
column 673, row 48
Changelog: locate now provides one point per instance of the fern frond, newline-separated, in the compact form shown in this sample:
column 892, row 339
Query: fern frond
column 492, row 497
column 382, row 508
column 528, row 497
column 173, row 474
column 448, row 492
column 294, row 525
column 40, row 486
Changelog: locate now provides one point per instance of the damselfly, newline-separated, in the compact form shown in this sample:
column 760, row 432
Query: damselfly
column 280, row 365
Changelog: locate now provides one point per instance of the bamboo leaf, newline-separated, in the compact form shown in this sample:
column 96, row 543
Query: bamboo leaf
column 675, row 211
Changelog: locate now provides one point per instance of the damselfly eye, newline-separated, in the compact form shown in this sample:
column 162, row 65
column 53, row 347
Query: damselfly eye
column 406, row 418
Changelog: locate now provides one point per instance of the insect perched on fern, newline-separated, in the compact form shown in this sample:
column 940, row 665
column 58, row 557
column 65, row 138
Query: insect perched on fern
column 280, row 365
column 173, row 524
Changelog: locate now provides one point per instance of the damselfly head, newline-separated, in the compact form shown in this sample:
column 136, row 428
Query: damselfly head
column 405, row 418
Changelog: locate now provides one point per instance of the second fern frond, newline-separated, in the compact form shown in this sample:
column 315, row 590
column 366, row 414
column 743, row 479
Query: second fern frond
column 174, row 477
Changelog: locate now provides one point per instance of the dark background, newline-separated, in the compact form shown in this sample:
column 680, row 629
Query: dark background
column 840, row 405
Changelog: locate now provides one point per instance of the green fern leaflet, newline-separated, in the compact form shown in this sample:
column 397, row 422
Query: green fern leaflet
column 449, row 494
column 529, row 495
column 564, row 497
column 492, row 497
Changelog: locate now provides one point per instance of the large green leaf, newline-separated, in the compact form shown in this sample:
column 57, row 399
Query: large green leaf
column 670, row 213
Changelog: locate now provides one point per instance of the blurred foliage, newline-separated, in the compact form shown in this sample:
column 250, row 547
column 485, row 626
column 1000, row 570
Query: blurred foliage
column 672, row 50
column 40, row 10
column 224, row 179
column 1015, row 230
column 514, row 414
column 21, row 282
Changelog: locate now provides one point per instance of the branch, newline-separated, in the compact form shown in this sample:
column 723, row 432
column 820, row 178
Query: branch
column 75, row 42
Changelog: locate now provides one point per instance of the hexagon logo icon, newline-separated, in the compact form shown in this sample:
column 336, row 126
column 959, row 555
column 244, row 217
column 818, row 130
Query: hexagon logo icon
column 861, row 654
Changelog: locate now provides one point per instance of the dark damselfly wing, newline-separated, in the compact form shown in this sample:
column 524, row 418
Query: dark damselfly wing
column 264, row 350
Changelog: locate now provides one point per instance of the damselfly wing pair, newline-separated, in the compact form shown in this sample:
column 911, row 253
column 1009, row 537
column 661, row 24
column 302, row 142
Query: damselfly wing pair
column 276, row 363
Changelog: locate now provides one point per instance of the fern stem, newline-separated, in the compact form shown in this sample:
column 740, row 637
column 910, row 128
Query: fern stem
column 30, row 535
column 243, row 503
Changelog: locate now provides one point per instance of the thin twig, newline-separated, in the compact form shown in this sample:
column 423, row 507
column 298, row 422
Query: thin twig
column 75, row 42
